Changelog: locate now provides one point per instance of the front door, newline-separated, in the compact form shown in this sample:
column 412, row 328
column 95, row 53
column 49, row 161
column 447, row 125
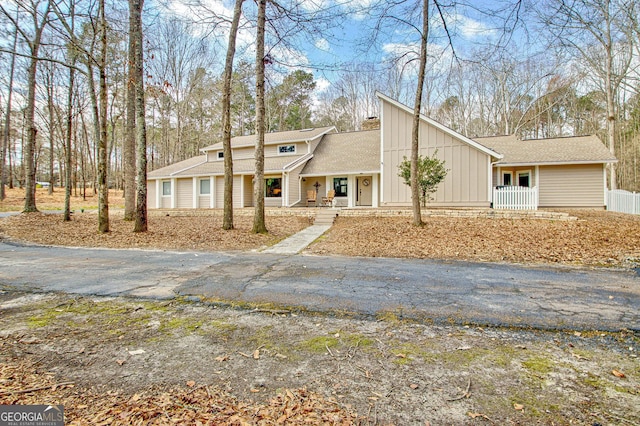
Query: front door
column 363, row 188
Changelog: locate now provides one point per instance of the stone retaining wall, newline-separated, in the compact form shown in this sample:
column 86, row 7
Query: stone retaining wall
column 383, row 212
column 471, row 213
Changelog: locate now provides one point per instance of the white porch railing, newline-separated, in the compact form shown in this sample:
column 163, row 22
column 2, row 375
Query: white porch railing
column 619, row 200
column 515, row 198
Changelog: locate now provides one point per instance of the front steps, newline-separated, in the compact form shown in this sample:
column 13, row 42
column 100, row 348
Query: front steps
column 326, row 216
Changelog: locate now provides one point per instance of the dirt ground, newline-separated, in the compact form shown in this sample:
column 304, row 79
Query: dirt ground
column 125, row 361
column 115, row 361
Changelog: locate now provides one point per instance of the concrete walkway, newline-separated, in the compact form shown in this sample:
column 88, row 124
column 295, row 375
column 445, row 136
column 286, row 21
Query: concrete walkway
column 298, row 242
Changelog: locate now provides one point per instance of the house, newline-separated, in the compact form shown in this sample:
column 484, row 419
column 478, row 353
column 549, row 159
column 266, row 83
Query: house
column 362, row 168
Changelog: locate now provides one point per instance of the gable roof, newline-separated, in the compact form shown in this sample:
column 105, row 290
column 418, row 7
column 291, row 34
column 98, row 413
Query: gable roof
column 275, row 138
column 346, row 153
column 441, row 127
column 565, row 150
column 176, row 168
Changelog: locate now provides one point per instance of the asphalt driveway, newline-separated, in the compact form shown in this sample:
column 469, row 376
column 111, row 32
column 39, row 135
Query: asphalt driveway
column 438, row 291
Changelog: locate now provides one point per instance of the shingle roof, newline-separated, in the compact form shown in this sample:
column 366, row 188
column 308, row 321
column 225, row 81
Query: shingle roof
column 275, row 137
column 244, row 166
column 176, row 167
column 339, row 153
column 566, row 150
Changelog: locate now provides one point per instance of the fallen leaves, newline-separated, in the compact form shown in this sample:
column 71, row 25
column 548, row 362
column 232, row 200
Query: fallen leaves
column 495, row 240
column 618, row 374
column 173, row 232
column 184, row 405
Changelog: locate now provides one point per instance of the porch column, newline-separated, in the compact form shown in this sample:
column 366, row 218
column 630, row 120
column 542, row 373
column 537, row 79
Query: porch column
column 158, row 193
column 351, row 191
column 537, row 169
column 196, row 191
column 174, row 188
column 212, row 192
column 375, row 185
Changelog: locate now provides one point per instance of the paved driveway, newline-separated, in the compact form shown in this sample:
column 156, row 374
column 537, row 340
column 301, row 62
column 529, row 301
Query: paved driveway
column 427, row 290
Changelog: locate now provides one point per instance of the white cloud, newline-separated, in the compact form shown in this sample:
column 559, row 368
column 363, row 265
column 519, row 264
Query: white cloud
column 471, row 28
column 322, row 84
column 322, row 44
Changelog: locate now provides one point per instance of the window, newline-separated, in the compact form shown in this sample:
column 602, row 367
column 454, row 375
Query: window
column 340, row 186
column 273, row 187
column 220, row 155
column 507, row 178
column 286, row 149
column 205, row 186
column 523, row 179
column 166, row 189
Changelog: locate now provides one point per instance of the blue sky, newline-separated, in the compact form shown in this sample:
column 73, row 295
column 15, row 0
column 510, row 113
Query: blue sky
column 348, row 37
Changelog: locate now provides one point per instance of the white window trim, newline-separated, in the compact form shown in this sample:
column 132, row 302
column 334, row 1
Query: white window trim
column 502, row 173
column 220, row 155
column 170, row 188
column 200, row 180
column 295, row 149
column 522, row 172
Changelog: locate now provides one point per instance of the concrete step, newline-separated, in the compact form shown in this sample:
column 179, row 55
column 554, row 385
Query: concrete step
column 326, row 216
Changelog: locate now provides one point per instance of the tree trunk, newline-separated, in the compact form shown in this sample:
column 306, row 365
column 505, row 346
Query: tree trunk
column 103, row 185
column 141, row 127
column 30, row 147
column 129, row 148
column 7, row 123
column 259, row 225
column 69, row 132
column 51, row 130
column 415, row 132
column 227, row 221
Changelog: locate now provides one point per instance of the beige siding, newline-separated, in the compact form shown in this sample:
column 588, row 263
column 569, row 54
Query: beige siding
column 151, row 194
column 242, row 153
column 295, row 194
column 184, row 193
column 203, row 201
column 219, row 185
column 572, row 186
column 248, row 191
column 467, row 182
column 237, row 187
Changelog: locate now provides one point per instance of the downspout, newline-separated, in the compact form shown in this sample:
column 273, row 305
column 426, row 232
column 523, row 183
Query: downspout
column 498, row 173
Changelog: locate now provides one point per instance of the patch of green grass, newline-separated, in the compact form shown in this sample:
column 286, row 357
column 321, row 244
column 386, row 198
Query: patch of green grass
column 318, row 344
column 538, row 365
column 189, row 324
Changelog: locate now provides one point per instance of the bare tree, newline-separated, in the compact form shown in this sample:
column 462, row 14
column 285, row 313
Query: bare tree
column 7, row 122
column 135, row 7
column 259, row 225
column 38, row 12
column 598, row 31
column 227, row 221
column 415, row 129
column 129, row 148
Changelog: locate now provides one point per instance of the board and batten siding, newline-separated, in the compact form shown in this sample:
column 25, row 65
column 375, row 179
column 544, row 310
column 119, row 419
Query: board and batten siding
column 572, row 186
column 467, row 181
